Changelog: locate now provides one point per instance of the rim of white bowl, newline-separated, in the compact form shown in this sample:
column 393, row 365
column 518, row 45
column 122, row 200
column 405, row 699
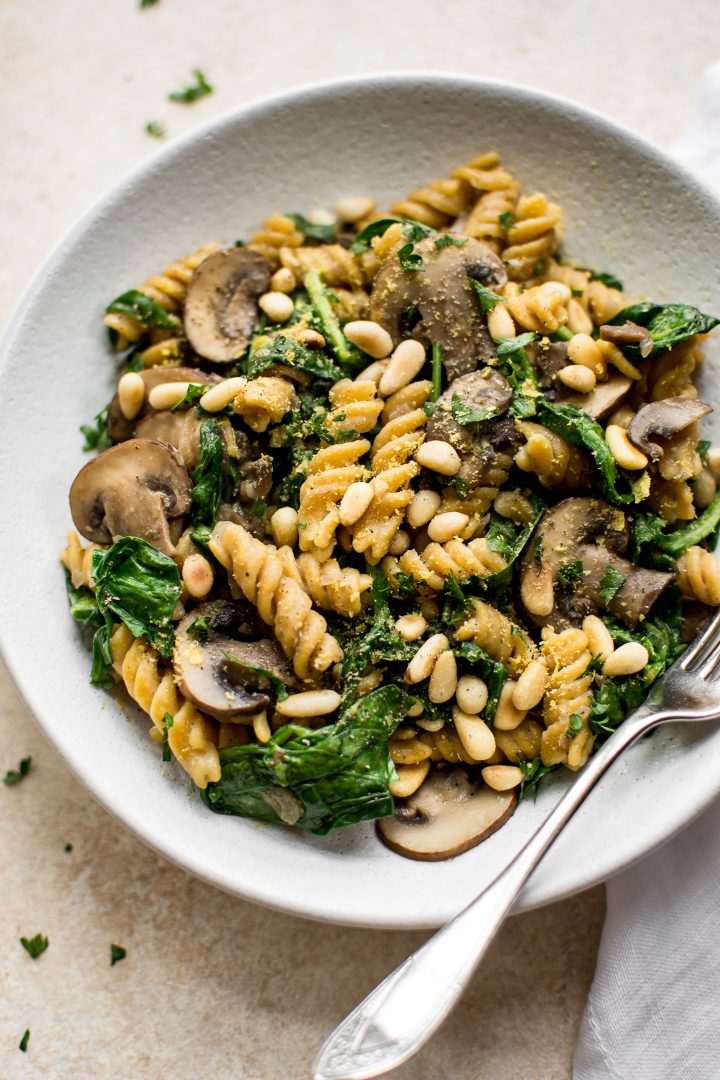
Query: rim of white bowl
column 579, row 877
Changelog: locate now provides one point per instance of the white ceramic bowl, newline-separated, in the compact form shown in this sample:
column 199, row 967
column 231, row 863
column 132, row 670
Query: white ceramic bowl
column 629, row 209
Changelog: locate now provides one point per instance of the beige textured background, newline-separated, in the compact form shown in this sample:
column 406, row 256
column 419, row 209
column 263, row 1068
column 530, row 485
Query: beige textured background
column 213, row 986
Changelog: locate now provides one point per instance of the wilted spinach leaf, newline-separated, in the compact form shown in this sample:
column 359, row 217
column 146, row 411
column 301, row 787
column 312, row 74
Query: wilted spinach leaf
column 284, row 350
column 610, row 584
column 464, row 414
column 652, row 543
column 579, row 429
column 514, row 363
column 97, row 437
column 488, row 300
column 209, row 476
column 141, row 307
column 610, row 280
column 491, row 671
column 668, row 324
column 323, row 234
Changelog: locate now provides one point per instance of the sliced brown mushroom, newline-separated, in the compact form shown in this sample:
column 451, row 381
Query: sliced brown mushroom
column 664, row 419
column 603, row 400
column 550, row 358
column 596, row 535
column 221, row 307
column 180, row 430
column 212, row 682
column 629, row 333
column 442, row 297
column 447, row 815
column 120, row 428
column 477, row 444
column 131, row 490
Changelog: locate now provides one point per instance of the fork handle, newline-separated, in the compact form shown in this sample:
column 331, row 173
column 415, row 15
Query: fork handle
column 401, row 1014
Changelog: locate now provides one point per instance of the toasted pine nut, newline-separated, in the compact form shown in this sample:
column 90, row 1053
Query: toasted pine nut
column 514, row 505
column 704, row 488
column 423, row 662
column 277, row 306
column 536, row 589
column 622, row 449
column 417, row 709
column 507, row 715
column 263, row 734
column 283, row 280
column 369, row 336
column 309, row 703
column 430, row 609
column 600, row 640
column 373, row 372
column 497, row 758
column 471, row 694
column 500, row 323
column 443, row 681
column 578, row 319
column 284, row 527
column 578, row 377
column 431, row 725
column 311, row 338
column 354, row 208
column 404, row 365
column 439, row 456
column 410, row 777
column 355, row 502
column 424, row 506
column 622, row 416
column 502, row 777
column 399, row 543
column 197, row 575
column 476, row 737
column 445, row 526
column 628, row 659
column 218, row 397
column 131, row 394
column 168, row 394
column 712, row 459
column 321, row 216
column 530, row 686
column 411, row 627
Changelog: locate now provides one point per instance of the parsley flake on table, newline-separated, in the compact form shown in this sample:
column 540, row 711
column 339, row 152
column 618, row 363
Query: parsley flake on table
column 14, row 776
column 35, row 946
column 155, row 128
column 117, row 953
column 192, row 93
column 23, row 1044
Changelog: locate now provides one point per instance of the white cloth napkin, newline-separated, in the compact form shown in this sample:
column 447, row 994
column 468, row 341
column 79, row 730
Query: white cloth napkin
column 653, row 1012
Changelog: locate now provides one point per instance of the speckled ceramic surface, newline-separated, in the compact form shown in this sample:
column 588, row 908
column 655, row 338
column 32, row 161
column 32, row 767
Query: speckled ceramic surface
column 629, row 209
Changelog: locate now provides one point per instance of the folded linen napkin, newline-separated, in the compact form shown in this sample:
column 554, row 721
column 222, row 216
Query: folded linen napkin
column 653, row 1012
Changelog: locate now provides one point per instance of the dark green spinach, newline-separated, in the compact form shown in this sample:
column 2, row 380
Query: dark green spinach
column 141, row 307
column 668, row 325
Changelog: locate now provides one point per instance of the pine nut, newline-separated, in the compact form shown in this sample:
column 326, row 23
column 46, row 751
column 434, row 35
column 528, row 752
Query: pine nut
column 424, row 506
column 373, row 372
column 168, row 394
column 628, row 659
column 283, row 525
column 476, row 737
column 131, row 394
column 410, row 777
column 530, row 686
column 417, row 709
column 536, row 589
column 263, row 734
column 411, row 627
column 439, row 456
column 513, row 505
column 218, row 397
column 277, row 306
column 507, row 715
column 321, row 216
column 502, row 777
column 704, row 489
column 399, row 543
column 354, row 208
column 423, row 662
column 405, row 363
column 622, row 449
column 355, row 502
column 309, row 703
column 197, row 575
column 431, row 725
column 471, row 694
column 578, row 319
column 600, row 640
column 500, row 323
column 443, row 681
column 430, row 609
column 311, row 338
column 370, row 337
column 622, row 416
column 445, row 526
column 283, row 280
column 578, row 377
column 712, row 459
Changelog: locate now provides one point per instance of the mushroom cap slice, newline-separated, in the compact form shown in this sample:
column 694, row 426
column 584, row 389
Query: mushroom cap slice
column 477, row 444
column 601, row 401
column 180, row 430
column 212, row 683
column 663, row 418
column 591, row 532
column 448, row 814
column 443, row 298
column 131, row 490
column 119, row 428
column 221, row 303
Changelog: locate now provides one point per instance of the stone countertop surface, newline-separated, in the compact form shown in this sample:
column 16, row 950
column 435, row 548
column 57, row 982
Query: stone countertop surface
column 211, row 985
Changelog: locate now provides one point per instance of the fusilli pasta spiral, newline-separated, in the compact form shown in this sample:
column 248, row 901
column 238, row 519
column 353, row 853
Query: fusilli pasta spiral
column 356, row 406
column 330, row 473
column 567, row 695
column 432, row 568
column 77, row 560
column 502, row 639
column 532, row 236
column 278, row 231
column 698, row 576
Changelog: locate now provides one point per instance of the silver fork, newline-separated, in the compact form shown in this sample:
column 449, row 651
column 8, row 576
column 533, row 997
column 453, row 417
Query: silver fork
column 401, row 1014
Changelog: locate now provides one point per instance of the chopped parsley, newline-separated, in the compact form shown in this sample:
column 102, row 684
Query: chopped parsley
column 488, row 299
column 200, row 628
column 258, row 508
column 464, row 414
column 533, row 772
column 167, row 723
column 35, row 946
column 610, row 584
column 68, row 847
column 96, row 436
column 23, row 1045
column 117, row 953
column 450, row 241
column 569, row 573
column 188, row 94
column 607, row 279
column 575, row 726
column 155, row 128
column 14, row 776
column 506, row 220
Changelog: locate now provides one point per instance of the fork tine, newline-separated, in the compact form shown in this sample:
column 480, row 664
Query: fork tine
column 710, row 666
column 695, row 651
